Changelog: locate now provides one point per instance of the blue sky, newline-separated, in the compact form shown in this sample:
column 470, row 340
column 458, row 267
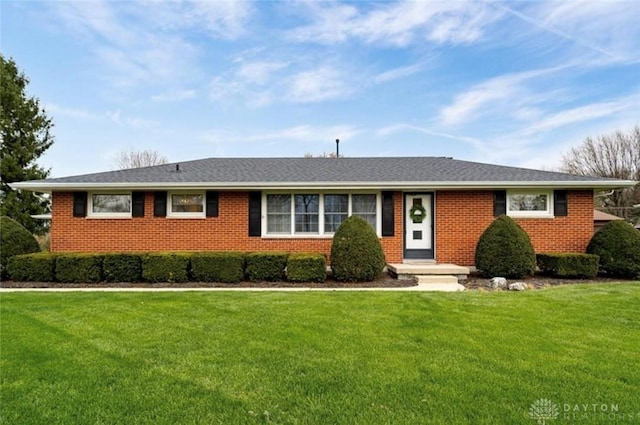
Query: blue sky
column 514, row 83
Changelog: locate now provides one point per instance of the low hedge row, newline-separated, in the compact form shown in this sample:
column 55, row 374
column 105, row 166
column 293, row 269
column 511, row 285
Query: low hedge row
column 569, row 265
column 224, row 267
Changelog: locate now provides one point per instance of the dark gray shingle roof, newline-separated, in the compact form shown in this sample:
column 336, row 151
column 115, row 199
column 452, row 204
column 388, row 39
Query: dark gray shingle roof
column 266, row 172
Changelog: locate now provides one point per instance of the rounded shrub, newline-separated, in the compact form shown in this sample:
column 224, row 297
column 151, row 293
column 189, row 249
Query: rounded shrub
column 14, row 240
column 618, row 246
column 505, row 250
column 356, row 253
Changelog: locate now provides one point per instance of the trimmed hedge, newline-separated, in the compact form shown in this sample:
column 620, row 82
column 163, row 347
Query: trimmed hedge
column 79, row 268
column 307, row 268
column 14, row 240
column 39, row 267
column 165, row 267
column 618, row 246
column 504, row 249
column 122, row 267
column 570, row 265
column 267, row 266
column 356, row 252
column 227, row 267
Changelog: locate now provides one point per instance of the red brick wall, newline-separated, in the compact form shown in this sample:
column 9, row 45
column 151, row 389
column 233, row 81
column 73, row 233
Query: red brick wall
column 227, row 232
column 461, row 216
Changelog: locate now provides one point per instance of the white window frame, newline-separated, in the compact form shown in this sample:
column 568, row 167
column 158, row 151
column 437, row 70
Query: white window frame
column 171, row 214
column 321, row 233
column 92, row 214
column 548, row 213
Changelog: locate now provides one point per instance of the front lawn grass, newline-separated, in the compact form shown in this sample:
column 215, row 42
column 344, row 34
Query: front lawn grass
column 318, row 357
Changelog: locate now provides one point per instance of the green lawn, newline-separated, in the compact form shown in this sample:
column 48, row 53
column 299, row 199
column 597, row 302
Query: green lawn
column 320, row 358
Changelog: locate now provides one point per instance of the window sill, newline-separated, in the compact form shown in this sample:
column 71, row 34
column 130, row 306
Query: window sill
column 302, row 236
column 298, row 236
column 543, row 216
column 177, row 217
column 108, row 217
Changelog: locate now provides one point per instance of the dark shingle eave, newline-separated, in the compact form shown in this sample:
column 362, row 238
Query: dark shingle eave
column 265, row 173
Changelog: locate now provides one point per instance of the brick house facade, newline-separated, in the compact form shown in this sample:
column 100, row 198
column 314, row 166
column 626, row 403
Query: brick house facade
column 456, row 230
column 555, row 209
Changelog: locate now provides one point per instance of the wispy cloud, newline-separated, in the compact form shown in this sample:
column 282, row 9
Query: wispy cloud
column 113, row 116
column 584, row 113
column 259, row 72
column 399, row 23
column 144, row 42
column 509, row 91
column 397, row 73
column 608, row 28
column 174, row 96
column 326, row 83
column 301, row 133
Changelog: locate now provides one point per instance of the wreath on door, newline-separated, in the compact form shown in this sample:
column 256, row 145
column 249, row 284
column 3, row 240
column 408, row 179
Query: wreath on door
column 417, row 213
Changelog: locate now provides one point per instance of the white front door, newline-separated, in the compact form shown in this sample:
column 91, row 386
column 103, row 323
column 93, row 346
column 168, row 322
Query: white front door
column 418, row 226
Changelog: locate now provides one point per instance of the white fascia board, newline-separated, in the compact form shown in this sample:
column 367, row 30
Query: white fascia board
column 48, row 187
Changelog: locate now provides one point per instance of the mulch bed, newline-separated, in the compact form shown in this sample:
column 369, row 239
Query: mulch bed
column 384, row 281
column 478, row 283
column 473, row 283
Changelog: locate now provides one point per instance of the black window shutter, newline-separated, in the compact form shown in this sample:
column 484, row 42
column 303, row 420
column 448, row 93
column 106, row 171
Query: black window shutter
column 255, row 213
column 388, row 219
column 212, row 203
column 560, row 203
column 79, row 204
column 137, row 204
column 160, row 204
column 499, row 202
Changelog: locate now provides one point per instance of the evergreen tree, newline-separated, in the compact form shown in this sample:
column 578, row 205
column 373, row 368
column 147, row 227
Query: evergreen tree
column 26, row 135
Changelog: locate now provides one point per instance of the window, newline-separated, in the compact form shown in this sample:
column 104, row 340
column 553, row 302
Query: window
column 307, row 213
column 110, row 205
column 186, row 205
column 365, row 206
column 336, row 210
column 279, row 214
column 316, row 214
column 529, row 204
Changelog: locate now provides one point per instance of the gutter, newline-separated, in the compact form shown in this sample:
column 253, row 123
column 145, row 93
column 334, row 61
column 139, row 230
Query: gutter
column 48, row 187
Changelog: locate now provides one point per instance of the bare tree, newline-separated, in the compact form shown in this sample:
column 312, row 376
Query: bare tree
column 138, row 159
column 323, row 155
column 615, row 155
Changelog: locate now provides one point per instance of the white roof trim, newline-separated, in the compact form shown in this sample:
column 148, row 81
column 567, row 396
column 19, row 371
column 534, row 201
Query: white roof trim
column 53, row 187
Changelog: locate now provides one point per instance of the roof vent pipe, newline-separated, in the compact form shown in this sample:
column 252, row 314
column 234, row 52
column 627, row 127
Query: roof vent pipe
column 177, row 168
column 337, row 148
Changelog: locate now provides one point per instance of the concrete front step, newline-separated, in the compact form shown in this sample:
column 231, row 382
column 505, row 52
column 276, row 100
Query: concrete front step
column 409, row 270
column 431, row 279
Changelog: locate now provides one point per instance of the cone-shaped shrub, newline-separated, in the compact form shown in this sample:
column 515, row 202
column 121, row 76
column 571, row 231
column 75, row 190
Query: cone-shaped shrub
column 618, row 246
column 505, row 250
column 356, row 253
column 15, row 240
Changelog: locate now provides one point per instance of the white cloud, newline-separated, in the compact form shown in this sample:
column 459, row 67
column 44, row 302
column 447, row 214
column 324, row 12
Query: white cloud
column 301, row 133
column 219, row 19
column 397, row 73
column 174, row 96
column 138, row 43
column 609, row 28
column 508, row 91
column 259, row 72
column 74, row 113
column 585, row 113
column 400, row 23
column 318, row 85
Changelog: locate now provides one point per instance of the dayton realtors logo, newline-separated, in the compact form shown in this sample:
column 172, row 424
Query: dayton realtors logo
column 543, row 410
